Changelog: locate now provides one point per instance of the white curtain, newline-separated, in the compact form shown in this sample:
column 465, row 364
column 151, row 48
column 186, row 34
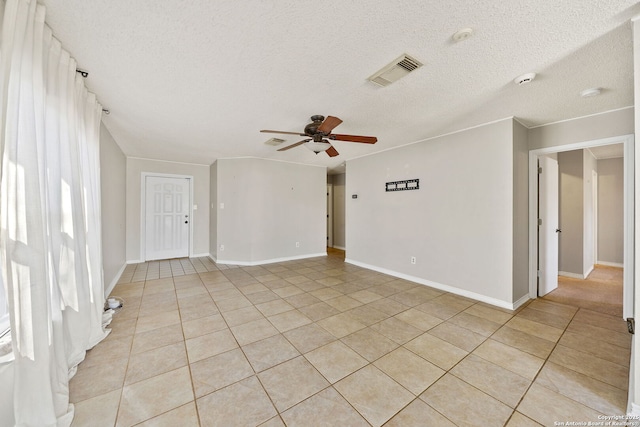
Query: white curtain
column 50, row 232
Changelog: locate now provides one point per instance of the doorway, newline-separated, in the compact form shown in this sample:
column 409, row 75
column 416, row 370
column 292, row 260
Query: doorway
column 534, row 156
column 167, row 216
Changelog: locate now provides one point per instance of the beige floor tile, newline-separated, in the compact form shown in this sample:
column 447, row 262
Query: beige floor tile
column 594, row 347
column 289, row 320
column 494, row 380
column 457, row 335
column 367, row 315
column 325, row 294
column 544, row 318
column 602, row 334
column 260, row 297
column 548, row 407
column 418, row 319
column 288, row 291
column 335, row 361
column 601, row 320
column 198, row 289
column 419, row 414
column 108, row 350
column 595, row 394
column 254, row 331
column 209, row 345
column 214, row 373
column 489, row 313
column 243, row 403
column 318, row 311
column 154, row 396
column 510, row 358
column 388, row 306
column 526, row 342
column 464, row 404
column 594, row 367
column 436, row 351
column 269, row 352
column 343, row 303
column 202, row 326
column 396, row 330
column 340, row 325
column 322, row 407
column 365, row 296
column 302, row 300
column 536, row 329
column 554, row 308
column 292, row 382
column 253, row 289
column 192, row 311
column 242, row 315
column 309, row 337
column 93, row 381
column 183, row 416
column 154, row 362
column 454, row 301
column 274, row 307
column 436, row 309
column 157, row 338
column 476, row 324
column 157, row 320
column 370, row 344
column 374, row 394
column 99, row 411
column 519, row 420
column 234, row 303
column 411, row 371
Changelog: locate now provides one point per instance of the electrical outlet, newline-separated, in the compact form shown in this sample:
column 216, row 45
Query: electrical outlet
column 413, row 260
column 297, row 244
column 221, row 248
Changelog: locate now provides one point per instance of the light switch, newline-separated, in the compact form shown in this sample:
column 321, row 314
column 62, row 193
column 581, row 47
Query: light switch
column 195, row 207
column 221, row 205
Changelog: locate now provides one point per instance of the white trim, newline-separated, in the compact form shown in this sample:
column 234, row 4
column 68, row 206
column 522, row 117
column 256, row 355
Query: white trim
column 628, row 141
column 269, row 159
column 610, row 264
column 340, row 247
column 588, row 272
column 143, row 208
column 168, row 161
column 115, row 280
column 635, row 411
column 204, row 255
column 135, row 261
column 267, row 261
column 572, row 275
column 447, row 288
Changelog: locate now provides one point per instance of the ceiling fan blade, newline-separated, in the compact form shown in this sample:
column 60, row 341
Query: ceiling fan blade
column 283, row 132
column 329, row 123
column 354, row 138
column 294, row 145
column 332, row 152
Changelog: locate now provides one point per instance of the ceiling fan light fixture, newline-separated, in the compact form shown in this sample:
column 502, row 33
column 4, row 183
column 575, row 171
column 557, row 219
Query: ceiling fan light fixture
column 317, row 147
column 588, row 93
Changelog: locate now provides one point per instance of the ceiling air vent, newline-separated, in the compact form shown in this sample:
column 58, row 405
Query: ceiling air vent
column 274, row 141
column 395, row 70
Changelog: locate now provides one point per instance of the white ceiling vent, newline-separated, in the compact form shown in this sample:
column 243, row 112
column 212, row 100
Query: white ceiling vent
column 395, row 70
column 274, row 141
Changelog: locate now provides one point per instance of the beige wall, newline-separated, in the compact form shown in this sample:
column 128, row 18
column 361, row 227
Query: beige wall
column 199, row 218
column 460, row 223
column 571, row 208
column 339, row 195
column 600, row 126
column 113, row 190
column 610, row 211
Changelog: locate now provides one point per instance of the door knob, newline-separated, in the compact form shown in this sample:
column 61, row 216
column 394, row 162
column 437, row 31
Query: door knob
column 186, row 222
column 558, row 230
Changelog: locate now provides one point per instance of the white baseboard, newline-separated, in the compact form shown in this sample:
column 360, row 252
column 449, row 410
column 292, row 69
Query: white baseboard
column 266, row 261
column 635, row 411
column 340, row 247
column 114, row 282
column 610, row 264
column 442, row 287
column 572, row 275
column 588, row 272
column 135, row 261
column 204, row 255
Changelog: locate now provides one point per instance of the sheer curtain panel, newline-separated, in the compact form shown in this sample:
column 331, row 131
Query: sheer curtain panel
column 50, row 238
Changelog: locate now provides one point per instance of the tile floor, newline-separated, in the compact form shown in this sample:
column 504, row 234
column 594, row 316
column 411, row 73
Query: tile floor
column 321, row 342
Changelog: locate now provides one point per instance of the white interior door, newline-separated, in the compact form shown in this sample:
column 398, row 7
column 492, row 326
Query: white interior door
column 167, row 217
column 548, row 228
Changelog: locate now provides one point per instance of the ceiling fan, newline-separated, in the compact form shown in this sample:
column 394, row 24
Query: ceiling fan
column 319, row 134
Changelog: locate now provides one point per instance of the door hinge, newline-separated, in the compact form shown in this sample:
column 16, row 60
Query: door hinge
column 539, row 169
column 538, row 273
column 539, row 221
column 631, row 325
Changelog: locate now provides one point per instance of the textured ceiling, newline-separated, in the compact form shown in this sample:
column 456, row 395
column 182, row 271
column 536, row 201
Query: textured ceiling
column 195, row 80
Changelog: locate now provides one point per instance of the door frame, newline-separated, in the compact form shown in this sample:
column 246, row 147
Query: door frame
column 329, row 215
column 143, row 209
column 628, row 220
